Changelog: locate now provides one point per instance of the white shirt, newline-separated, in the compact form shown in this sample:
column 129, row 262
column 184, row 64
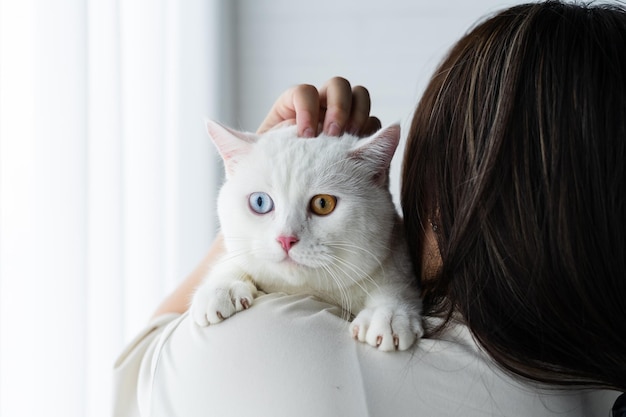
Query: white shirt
column 293, row 356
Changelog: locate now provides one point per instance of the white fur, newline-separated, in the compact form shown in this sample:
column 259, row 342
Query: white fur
column 354, row 257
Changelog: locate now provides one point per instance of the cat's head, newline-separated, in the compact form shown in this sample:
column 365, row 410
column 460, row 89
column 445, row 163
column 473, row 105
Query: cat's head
column 295, row 208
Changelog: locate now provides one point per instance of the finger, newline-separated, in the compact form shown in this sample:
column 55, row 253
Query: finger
column 336, row 96
column 306, row 101
column 278, row 113
column 371, row 126
column 299, row 105
column 360, row 110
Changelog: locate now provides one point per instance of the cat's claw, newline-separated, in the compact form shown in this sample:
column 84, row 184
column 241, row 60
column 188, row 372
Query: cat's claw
column 211, row 304
column 386, row 328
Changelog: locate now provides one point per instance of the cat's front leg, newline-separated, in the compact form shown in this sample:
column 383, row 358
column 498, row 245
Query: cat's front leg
column 223, row 293
column 389, row 325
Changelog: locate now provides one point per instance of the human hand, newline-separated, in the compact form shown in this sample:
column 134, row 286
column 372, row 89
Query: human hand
column 336, row 108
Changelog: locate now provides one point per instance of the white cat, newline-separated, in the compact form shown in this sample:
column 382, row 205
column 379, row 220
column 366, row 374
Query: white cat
column 313, row 216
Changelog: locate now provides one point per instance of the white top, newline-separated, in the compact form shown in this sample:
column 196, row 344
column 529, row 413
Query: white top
column 293, row 356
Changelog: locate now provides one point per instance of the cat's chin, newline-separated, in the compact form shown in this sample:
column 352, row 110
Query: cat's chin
column 290, row 263
column 287, row 261
column 295, row 263
column 289, row 266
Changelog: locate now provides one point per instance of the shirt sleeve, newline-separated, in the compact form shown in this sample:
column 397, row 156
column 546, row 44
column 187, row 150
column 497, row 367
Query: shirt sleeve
column 127, row 375
column 293, row 355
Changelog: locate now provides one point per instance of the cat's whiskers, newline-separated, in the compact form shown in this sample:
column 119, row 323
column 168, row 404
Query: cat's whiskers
column 346, row 247
column 348, row 269
column 237, row 239
column 341, row 263
column 345, row 299
column 239, row 253
column 250, row 242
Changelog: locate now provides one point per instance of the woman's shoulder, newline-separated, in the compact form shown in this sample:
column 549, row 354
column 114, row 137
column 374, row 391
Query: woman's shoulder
column 290, row 355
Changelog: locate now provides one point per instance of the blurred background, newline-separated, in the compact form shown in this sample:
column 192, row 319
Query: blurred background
column 107, row 179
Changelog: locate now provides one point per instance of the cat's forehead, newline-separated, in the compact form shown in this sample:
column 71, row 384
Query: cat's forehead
column 288, row 161
column 290, row 147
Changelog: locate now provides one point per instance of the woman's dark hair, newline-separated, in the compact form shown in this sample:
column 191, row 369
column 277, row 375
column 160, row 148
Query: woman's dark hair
column 517, row 151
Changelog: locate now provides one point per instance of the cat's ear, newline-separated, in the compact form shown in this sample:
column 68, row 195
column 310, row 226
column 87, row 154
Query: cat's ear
column 377, row 151
column 231, row 144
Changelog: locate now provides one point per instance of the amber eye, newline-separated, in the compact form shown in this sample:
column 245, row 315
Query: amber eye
column 323, row 204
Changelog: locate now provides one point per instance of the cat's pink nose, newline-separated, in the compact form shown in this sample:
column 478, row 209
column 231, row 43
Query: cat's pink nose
column 287, row 242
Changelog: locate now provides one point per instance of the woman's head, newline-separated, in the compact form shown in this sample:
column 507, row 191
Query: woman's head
column 516, row 153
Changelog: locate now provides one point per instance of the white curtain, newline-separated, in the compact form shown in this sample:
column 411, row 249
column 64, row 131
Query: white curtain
column 106, row 183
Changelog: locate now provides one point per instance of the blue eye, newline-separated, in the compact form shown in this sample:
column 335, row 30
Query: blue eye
column 261, row 203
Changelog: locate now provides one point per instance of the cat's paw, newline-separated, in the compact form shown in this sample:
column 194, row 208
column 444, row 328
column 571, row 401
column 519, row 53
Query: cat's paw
column 212, row 304
column 387, row 328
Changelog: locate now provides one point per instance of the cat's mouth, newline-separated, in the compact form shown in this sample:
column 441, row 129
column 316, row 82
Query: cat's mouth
column 291, row 262
column 288, row 261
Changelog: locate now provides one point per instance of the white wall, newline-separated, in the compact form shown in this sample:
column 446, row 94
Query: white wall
column 391, row 47
column 105, row 185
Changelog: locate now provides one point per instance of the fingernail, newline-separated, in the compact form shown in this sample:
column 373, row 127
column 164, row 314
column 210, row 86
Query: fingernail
column 308, row 133
column 334, row 129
